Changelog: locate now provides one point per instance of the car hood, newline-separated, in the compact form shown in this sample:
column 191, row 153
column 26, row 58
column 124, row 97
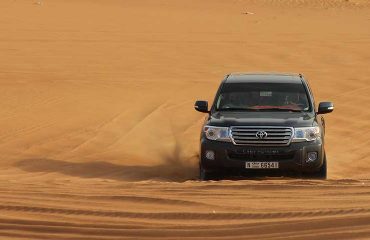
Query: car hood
column 288, row 119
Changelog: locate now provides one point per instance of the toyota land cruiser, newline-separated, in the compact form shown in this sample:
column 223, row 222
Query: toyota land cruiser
column 263, row 123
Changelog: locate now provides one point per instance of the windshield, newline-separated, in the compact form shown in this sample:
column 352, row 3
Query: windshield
column 263, row 97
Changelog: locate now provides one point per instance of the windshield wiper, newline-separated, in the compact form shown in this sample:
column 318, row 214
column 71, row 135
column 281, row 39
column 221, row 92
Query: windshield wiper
column 236, row 109
column 280, row 109
column 259, row 109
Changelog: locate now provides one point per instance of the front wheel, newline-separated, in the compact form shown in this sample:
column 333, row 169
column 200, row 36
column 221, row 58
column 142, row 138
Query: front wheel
column 205, row 175
column 321, row 173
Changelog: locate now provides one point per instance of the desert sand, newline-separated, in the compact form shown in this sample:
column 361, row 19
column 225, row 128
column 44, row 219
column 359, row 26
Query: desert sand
column 99, row 138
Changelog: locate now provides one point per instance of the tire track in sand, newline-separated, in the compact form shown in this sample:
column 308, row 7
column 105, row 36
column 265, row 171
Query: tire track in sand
column 335, row 227
column 185, row 215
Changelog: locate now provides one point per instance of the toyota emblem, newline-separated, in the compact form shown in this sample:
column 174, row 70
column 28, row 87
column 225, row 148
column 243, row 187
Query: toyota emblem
column 261, row 134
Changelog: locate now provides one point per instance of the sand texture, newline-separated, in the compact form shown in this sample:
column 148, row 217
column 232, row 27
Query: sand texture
column 99, row 138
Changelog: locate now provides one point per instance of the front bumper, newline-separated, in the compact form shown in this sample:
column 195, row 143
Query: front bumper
column 230, row 158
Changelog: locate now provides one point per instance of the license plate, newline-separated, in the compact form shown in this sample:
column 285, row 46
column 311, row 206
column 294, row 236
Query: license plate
column 257, row 165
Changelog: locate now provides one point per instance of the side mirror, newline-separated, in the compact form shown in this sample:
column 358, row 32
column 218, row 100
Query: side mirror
column 201, row 106
column 325, row 107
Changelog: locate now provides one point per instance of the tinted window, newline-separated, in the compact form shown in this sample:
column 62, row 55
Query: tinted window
column 263, row 96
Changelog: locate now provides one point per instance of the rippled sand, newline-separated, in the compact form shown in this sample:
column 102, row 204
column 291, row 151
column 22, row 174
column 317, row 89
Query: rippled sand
column 99, row 139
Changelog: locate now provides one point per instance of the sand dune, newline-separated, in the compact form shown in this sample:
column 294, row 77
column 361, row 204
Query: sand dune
column 98, row 134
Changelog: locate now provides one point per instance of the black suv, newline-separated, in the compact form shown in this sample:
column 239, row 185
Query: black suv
column 263, row 123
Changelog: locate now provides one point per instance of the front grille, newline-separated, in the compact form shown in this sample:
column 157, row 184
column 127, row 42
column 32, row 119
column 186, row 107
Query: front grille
column 260, row 155
column 262, row 136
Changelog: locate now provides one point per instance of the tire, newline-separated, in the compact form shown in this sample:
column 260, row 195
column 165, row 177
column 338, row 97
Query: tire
column 321, row 173
column 207, row 175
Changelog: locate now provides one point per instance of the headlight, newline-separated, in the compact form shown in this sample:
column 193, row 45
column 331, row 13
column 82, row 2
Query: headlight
column 306, row 134
column 217, row 133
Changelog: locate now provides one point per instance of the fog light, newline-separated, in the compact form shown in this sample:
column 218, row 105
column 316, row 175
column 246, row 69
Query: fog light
column 311, row 156
column 210, row 155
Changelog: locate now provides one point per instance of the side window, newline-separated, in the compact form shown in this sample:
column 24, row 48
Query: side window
column 311, row 94
column 217, row 98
